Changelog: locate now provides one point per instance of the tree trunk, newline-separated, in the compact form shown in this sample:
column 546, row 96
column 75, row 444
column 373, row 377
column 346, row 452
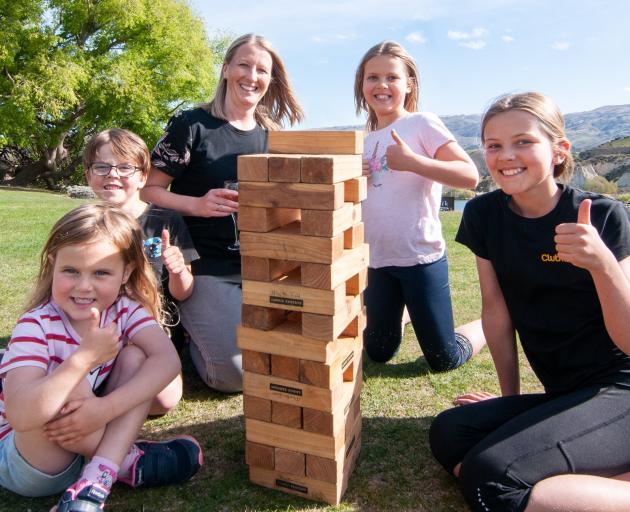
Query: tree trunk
column 45, row 168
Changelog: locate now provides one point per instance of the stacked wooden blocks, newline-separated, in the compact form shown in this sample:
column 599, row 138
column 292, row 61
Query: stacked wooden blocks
column 304, row 267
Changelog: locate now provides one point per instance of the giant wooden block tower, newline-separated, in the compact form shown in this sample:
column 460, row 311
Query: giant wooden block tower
column 304, row 267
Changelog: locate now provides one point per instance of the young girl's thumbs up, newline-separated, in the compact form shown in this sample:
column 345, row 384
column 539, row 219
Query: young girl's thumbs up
column 95, row 318
column 399, row 156
column 584, row 212
column 397, row 138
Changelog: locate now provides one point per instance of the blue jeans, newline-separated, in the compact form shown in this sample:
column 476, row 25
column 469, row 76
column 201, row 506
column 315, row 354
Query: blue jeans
column 424, row 289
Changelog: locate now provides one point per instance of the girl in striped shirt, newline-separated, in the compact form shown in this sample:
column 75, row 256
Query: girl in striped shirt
column 84, row 364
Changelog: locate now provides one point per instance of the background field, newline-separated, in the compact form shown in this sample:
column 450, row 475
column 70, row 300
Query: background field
column 395, row 470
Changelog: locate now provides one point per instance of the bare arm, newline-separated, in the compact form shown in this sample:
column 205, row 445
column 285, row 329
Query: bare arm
column 613, row 289
column 156, row 372
column 498, row 329
column 451, row 166
column 33, row 397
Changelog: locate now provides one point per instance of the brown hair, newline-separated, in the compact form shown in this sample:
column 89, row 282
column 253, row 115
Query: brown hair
column 125, row 144
column 278, row 103
column 544, row 109
column 390, row 49
column 94, row 222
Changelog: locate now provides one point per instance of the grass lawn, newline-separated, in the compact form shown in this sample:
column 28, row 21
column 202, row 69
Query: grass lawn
column 395, row 470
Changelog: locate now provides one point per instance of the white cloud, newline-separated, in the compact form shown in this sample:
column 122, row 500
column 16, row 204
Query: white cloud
column 475, row 33
column 478, row 32
column 561, row 45
column 627, row 89
column 416, row 37
column 453, row 34
column 507, row 39
column 474, row 45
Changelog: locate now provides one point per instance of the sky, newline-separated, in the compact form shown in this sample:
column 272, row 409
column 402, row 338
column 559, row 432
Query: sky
column 468, row 52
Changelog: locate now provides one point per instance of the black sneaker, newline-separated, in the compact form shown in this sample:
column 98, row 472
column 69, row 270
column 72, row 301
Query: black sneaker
column 165, row 462
column 90, row 498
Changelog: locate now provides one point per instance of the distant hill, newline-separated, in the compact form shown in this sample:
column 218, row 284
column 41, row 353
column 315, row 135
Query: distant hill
column 585, row 130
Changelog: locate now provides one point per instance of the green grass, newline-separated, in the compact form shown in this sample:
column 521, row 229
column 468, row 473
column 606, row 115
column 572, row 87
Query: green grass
column 395, row 470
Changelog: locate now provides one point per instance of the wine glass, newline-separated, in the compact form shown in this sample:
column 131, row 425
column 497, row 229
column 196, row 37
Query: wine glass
column 233, row 185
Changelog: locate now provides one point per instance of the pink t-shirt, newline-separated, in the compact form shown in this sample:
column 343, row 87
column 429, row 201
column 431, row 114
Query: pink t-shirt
column 401, row 212
column 43, row 337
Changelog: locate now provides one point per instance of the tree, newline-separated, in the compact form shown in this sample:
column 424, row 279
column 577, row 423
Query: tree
column 70, row 68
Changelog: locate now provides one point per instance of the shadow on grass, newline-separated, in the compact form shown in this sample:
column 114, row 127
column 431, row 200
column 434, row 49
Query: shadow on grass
column 395, row 471
column 401, row 370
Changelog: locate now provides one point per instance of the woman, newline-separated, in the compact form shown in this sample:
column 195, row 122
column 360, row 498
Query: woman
column 195, row 157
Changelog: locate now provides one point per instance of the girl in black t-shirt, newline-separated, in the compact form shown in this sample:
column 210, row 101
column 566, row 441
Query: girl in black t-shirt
column 554, row 267
column 195, row 157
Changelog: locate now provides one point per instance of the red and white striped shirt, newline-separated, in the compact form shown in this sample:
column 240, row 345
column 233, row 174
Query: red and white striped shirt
column 44, row 337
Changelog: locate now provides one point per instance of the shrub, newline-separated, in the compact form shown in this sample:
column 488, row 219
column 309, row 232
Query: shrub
column 600, row 185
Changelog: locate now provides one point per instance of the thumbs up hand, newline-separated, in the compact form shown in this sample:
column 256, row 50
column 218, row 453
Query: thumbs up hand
column 172, row 256
column 98, row 345
column 399, row 155
column 579, row 243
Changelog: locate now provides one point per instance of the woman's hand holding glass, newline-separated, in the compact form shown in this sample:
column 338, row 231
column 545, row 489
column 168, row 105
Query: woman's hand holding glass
column 217, row 202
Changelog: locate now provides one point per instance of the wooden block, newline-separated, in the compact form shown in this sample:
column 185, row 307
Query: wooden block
column 256, row 408
column 286, row 339
column 331, row 470
column 329, row 375
column 262, row 220
column 356, row 326
column 358, row 283
column 286, row 414
column 295, row 439
column 265, row 269
column 316, row 142
column 285, row 367
column 296, row 393
column 288, row 294
column 329, row 276
column 305, row 196
column 286, row 243
column 330, row 168
column 284, row 168
column 257, row 362
column 290, row 461
column 331, row 423
column 259, row 455
column 326, row 327
column 356, row 189
column 259, row 317
column 309, row 487
column 354, row 236
column 327, row 223
column 252, row 168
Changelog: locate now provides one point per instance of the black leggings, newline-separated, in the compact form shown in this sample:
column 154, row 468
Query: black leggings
column 506, row 445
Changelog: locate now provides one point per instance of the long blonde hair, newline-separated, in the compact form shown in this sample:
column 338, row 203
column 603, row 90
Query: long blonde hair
column 279, row 102
column 389, row 49
column 549, row 116
column 96, row 222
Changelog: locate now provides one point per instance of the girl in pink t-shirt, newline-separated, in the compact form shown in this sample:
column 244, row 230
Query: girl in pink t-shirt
column 83, row 366
column 408, row 156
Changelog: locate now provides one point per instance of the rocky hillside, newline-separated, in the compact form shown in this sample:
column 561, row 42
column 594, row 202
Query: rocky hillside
column 586, row 130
